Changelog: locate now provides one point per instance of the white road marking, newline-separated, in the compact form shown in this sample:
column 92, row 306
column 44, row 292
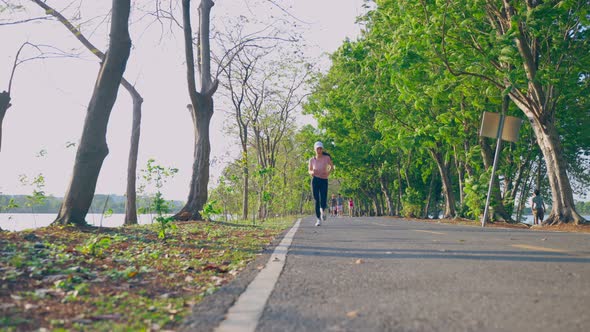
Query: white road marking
column 243, row 316
column 431, row 232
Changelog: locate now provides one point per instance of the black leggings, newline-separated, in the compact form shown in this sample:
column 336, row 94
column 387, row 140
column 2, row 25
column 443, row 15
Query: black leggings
column 319, row 188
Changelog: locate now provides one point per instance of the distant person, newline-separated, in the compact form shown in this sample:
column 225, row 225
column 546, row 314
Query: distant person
column 350, row 206
column 333, row 206
column 340, row 205
column 538, row 207
column 320, row 167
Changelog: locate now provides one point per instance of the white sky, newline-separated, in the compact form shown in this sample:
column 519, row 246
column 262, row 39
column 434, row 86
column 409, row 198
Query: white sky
column 49, row 97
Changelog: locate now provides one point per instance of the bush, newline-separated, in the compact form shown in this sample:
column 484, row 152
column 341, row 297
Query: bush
column 475, row 196
column 412, row 203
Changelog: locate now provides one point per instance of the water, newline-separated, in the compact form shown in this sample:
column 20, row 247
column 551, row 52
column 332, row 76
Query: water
column 22, row 221
column 526, row 219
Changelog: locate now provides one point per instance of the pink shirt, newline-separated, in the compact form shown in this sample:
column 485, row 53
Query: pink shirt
column 321, row 167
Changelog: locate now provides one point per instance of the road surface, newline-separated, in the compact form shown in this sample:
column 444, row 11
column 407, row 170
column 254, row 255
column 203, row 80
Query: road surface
column 388, row 274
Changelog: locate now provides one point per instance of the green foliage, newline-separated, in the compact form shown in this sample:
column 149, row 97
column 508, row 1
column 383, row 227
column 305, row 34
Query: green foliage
column 108, row 213
column 210, row 209
column 156, row 176
column 404, row 101
column 38, row 196
column 475, row 195
column 412, row 203
column 583, row 208
column 164, row 224
column 11, row 204
column 95, row 246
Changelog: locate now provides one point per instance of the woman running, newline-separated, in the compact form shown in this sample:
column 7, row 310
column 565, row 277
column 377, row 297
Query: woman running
column 320, row 167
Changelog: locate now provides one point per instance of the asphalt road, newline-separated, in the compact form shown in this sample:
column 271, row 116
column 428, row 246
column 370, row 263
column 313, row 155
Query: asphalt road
column 384, row 274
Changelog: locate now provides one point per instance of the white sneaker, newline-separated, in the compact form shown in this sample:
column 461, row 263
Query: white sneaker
column 318, row 223
column 323, row 216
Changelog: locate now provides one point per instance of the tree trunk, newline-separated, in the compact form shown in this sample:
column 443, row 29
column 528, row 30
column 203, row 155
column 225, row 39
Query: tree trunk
column 246, row 171
column 302, row 199
column 131, row 202
column 93, row 147
column 375, row 205
column 562, row 208
column 460, row 175
column 387, row 196
column 197, row 197
column 400, row 192
column 538, row 103
column 4, row 105
column 202, row 102
column 245, row 194
column 443, row 170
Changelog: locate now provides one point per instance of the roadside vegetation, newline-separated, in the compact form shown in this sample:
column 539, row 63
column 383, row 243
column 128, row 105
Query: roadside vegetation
column 121, row 279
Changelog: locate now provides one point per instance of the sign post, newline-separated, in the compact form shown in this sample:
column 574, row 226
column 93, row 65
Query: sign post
column 501, row 127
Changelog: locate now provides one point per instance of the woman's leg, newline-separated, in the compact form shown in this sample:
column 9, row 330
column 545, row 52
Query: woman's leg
column 315, row 189
column 323, row 189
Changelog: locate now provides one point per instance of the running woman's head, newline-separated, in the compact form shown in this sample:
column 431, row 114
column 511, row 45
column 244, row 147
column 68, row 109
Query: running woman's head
column 318, row 147
column 537, row 192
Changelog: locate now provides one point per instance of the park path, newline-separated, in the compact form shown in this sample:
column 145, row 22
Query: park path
column 387, row 274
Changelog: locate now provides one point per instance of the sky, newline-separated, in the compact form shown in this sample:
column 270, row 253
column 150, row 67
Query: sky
column 50, row 96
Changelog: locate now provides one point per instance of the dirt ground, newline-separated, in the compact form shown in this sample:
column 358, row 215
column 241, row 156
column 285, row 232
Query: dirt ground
column 585, row 228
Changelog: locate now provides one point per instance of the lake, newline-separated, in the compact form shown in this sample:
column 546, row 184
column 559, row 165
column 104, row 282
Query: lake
column 22, row 221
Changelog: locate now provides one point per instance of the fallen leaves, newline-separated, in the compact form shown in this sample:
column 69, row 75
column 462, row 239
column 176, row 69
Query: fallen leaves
column 352, row 314
column 141, row 282
column 215, row 268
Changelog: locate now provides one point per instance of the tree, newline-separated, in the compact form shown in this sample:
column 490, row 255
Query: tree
column 238, row 75
column 274, row 100
column 4, row 106
column 5, row 95
column 137, row 100
column 537, row 53
column 93, row 147
column 202, row 106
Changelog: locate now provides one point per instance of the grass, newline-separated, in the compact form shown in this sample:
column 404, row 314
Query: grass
column 120, row 279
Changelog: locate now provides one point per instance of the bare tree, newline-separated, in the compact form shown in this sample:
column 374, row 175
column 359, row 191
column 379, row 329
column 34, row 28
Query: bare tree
column 4, row 106
column 137, row 100
column 93, row 146
column 202, row 102
column 274, row 114
column 237, row 77
column 242, row 56
column 43, row 54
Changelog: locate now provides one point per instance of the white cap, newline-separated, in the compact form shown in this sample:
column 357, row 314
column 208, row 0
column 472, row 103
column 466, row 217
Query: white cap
column 318, row 144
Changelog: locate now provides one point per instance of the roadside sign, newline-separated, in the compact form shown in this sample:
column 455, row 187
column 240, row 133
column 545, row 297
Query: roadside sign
column 500, row 127
column 491, row 122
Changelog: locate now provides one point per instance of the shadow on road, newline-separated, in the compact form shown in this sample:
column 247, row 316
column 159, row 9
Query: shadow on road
column 482, row 255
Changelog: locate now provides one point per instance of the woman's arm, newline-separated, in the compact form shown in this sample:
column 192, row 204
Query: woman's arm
column 331, row 165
